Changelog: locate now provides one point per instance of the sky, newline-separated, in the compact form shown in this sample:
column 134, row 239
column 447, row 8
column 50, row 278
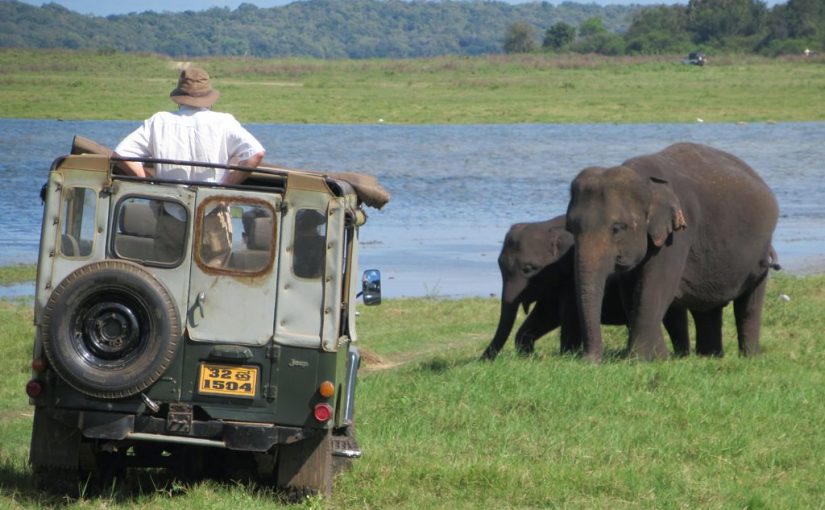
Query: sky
column 107, row 7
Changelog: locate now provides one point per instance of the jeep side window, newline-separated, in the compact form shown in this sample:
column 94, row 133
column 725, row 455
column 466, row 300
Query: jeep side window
column 142, row 230
column 310, row 241
column 78, row 234
column 238, row 236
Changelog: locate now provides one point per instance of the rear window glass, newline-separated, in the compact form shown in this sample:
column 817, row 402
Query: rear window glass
column 150, row 230
column 237, row 236
column 309, row 255
column 78, row 233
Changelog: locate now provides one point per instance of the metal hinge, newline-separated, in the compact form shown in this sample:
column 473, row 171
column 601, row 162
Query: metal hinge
column 283, row 208
column 273, row 352
column 270, row 392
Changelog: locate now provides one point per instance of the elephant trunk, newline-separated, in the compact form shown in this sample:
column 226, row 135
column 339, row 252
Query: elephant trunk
column 591, row 275
column 509, row 311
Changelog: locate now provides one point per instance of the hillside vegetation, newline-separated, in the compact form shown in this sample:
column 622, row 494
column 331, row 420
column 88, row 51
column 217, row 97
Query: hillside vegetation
column 313, row 28
column 403, row 29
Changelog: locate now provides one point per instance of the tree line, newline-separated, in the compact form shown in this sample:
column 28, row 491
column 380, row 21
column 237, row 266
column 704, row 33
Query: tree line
column 419, row 28
column 742, row 26
column 312, row 28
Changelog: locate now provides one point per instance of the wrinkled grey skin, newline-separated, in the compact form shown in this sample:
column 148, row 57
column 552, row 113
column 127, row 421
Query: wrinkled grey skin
column 536, row 264
column 688, row 227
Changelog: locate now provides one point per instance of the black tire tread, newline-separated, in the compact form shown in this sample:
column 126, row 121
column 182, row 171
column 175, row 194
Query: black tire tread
column 89, row 271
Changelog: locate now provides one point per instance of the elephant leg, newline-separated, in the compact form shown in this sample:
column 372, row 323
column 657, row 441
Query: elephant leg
column 543, row 319
column 505, row 326
column 708, row 332
column 676, row 324
column 570, row 336
column 747, row 309
column 646, row 339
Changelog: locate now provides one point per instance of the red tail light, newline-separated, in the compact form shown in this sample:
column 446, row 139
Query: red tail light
column 34, row 388
column 39, row 365
column 323, row 412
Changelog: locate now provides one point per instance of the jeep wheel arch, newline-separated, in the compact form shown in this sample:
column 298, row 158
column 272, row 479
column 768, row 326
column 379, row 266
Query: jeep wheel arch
column 110, row 329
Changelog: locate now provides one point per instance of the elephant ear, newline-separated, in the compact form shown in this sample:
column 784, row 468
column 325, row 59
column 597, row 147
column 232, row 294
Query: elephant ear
column 560, row 243
column 665, row 215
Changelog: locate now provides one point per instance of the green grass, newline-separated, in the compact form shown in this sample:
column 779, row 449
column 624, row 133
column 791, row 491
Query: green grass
column 492, row 89
column 10, row 275
column 440, row 429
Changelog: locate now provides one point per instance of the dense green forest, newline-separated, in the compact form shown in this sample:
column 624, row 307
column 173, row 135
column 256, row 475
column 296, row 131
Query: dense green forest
column 400, row 28
column 315, row 28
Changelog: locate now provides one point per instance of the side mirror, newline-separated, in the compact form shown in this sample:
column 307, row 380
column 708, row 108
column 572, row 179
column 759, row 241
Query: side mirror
column 371, row 287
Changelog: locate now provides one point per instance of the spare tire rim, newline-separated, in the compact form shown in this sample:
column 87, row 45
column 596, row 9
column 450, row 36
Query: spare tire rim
column 110, row 330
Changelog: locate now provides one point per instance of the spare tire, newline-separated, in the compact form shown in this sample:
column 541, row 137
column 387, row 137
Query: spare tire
column 110, row 329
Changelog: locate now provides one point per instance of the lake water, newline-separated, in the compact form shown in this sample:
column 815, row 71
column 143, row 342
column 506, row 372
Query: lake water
column 456, row 189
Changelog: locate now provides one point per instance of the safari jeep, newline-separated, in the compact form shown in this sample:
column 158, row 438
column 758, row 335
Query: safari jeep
column 227, row 355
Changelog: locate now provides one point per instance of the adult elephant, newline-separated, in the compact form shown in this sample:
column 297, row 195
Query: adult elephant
column 689, row 226
column 536, row 264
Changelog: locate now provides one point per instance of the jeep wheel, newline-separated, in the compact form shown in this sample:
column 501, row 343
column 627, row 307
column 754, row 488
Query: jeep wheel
column 110, row 329
column 305, row 467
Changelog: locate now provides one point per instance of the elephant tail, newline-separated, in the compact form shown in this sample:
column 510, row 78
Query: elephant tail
column 772, row 260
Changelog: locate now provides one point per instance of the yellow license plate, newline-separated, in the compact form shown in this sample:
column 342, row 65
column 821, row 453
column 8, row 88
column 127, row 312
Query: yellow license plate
column 228, row 380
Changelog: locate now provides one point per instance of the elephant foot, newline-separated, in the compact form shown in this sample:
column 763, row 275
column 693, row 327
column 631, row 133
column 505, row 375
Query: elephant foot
column 525, row 346
column 489, row 354
column 750, row 349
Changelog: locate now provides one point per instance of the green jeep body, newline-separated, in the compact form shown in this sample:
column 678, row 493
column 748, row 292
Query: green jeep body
column 232, row 351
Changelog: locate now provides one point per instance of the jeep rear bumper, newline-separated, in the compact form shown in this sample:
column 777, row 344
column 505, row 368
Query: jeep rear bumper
column 177, row 429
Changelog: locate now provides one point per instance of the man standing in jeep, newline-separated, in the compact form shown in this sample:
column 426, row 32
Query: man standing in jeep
column 193, row 133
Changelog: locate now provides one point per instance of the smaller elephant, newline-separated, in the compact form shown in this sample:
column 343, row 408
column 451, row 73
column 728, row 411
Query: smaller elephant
column 537, row 266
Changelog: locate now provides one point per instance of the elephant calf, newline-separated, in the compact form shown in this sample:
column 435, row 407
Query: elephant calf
column 536, row 264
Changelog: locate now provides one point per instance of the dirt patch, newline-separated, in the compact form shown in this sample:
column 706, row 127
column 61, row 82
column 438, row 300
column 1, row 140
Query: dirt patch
column 372, row 362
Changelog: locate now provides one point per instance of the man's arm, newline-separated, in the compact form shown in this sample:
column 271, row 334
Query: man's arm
column 131, row 167
column 238, row 176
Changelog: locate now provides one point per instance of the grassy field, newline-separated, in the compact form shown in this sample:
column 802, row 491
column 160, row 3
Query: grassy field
column 17, row 274
column 494, row 89
column 442, row 430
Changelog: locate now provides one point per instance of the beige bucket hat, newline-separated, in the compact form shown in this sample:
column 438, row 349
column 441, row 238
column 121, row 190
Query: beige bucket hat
column 194, row 89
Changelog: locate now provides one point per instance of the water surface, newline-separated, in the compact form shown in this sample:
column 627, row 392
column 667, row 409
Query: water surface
column 456, row 189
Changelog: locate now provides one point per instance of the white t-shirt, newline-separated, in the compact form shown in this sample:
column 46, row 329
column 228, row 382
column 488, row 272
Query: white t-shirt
column 191, row 134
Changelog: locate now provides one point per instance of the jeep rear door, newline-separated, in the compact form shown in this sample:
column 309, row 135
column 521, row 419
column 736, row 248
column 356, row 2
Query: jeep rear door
column 232, row 285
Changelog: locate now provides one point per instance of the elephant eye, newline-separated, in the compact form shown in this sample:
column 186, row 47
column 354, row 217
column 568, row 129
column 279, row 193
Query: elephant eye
column 618, row 227
column 528, row 269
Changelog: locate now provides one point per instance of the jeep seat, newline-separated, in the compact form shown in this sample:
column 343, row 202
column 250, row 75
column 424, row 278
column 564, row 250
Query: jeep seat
column 259, row 247
column 136, row 234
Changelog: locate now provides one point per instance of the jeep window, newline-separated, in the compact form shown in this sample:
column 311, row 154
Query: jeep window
column 310, row 241
column 237, row 236
column 150, row 230
column 78, row 234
